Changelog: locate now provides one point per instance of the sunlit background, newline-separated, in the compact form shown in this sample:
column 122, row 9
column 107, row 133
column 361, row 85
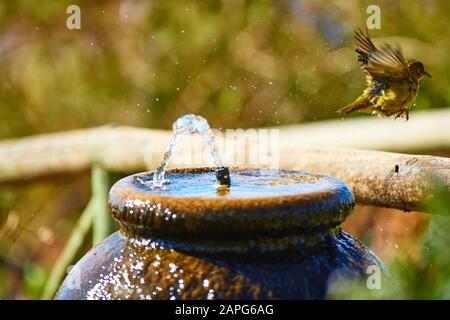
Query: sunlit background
column 145, row 63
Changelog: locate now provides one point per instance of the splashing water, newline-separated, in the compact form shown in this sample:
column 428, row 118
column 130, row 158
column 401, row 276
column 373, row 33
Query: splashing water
column 185, row 125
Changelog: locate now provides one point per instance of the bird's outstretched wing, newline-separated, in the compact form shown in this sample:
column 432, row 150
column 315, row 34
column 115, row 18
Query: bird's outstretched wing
column 386, row 60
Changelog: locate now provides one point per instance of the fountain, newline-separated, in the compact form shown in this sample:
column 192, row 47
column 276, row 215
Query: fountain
column 274, row 234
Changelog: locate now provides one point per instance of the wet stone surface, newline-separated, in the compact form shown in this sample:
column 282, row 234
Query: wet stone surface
column 147, row 269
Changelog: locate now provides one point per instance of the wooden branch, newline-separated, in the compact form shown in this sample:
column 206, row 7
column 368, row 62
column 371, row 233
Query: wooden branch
column 379, row 178
column 115, row 148
column 424, row 132
column 382, row 179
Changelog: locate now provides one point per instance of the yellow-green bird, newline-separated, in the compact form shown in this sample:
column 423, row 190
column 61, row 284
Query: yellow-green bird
column 392, row 81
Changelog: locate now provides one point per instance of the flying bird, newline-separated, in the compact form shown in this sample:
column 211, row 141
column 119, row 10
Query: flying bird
column 392, row 81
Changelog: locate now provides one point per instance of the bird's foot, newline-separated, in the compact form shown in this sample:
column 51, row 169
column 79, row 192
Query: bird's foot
column 401, row 114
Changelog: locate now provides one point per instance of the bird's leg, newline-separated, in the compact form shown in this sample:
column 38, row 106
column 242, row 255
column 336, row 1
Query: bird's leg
column 399, row 115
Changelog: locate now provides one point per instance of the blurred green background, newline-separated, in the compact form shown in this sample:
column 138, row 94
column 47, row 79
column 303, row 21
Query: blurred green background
column 237, row 63
column 145, row 63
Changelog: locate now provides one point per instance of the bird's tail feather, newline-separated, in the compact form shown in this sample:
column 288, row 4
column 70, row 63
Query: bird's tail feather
column 359, row 104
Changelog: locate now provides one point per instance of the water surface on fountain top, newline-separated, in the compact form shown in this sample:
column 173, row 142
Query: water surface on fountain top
column 259, row 201
column 245, row 183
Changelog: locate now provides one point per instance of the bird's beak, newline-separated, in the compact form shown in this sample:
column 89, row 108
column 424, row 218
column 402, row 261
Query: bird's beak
column 426, row 74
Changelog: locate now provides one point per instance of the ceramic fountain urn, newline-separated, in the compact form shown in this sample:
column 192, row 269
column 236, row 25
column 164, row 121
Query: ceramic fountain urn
column 272, row 234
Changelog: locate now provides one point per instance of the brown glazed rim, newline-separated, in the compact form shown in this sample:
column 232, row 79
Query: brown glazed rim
column 141, row 212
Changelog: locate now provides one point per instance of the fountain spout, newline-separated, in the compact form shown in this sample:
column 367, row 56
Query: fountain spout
column 223, row 176
column 186, row 124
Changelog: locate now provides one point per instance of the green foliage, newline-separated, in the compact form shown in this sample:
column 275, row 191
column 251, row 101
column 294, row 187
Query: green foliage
column 101, row 222
column 427, row 279
column 239, row 63
column 34, row 278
